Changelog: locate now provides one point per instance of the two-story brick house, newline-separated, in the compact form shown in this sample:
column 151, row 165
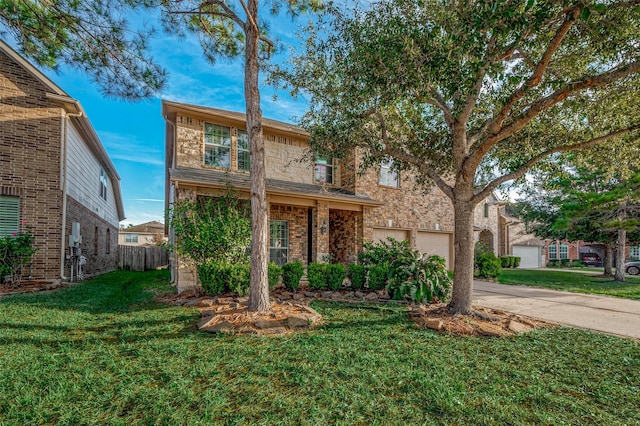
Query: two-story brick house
column 54, row 172
column 318, row 208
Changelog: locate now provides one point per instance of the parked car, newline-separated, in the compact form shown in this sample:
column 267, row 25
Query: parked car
column 591, row 259
column 632, row 268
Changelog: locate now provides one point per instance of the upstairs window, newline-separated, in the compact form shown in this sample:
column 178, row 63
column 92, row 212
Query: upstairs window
column 131, row 238
column 103, row 184
column 217, row 145
column 388, row 176
column 486, row 209
column 243, row 150
column 324, row 169
column 9, row 215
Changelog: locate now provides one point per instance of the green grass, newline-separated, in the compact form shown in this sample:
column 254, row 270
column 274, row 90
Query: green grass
column 104, row 353
column 578, row 282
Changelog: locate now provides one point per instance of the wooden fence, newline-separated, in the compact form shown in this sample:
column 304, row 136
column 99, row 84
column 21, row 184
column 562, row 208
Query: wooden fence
column 134, row 258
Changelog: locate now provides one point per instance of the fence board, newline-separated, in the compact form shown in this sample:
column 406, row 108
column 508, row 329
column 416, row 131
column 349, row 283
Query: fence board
column 134, row 258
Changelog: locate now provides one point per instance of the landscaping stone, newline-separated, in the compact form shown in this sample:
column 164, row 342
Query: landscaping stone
column 225, row 300
column 298, row 296
column 222, row 326
column 433, row 323
column 311, row 294
column 242, row 300
column 264, row 324
column 298, row 322
column 191, row 303
column 518, row 327
column 371, row 296
column 285, row 297
column 274, row 330
column 491, row 330
column 326, row 294
column 349, row 295
column 310, row 310
column 358, row 294
column 205, row 303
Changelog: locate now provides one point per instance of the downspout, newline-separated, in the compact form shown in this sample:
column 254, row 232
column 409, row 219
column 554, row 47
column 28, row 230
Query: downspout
column 63, row 182
column 172, row 259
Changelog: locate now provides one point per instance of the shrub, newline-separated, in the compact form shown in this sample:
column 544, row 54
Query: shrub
column 505, row 261
column 240, row 278
column 336, row 273
column 516, row 261
column 291, row 274
column 378, row 275
column 421, row 278
column 487, row 264
column 214, row 276
column 316, row 275
column 274, row 272
column 15, row 253
column 357, row 275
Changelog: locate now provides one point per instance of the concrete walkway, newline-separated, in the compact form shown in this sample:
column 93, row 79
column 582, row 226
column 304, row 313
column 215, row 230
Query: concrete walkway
column 601, row 313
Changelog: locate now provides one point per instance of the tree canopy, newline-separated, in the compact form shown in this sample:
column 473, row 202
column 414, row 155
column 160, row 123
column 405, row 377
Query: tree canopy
column 471, row 94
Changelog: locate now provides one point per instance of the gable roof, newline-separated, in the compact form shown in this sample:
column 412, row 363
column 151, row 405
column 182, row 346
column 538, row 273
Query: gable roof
column 153, row 227
column 78, row 117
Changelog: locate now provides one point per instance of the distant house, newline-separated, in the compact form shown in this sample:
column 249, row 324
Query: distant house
column 55, row 176
column 146, row 234
column 318, row 208
column 516, row 241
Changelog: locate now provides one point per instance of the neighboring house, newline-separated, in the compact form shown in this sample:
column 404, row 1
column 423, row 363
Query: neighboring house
column 516, row 241
column 317, row 209
column 54, row 173
column 146, row 234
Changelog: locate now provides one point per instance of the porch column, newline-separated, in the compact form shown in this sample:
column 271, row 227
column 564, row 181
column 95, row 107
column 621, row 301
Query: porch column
column 321, row 230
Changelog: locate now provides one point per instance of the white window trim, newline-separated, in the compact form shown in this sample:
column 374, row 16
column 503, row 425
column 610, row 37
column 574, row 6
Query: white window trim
column 388, row 176
column 216, row 145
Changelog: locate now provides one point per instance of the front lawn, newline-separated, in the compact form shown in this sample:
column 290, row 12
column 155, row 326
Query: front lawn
column 578, row 282
column 104, row 352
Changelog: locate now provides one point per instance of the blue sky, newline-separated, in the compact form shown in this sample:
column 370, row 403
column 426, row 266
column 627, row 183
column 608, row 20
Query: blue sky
column 133, row 133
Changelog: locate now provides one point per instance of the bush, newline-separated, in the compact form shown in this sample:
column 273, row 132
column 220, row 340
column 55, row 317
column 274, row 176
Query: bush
column 336, row 273
column 317, row 275
column 214, row 277
column 487, row 265
column 516, row 261
column 240, row 278
column 378, row 275
column 421, row 278
column 274, row 272
column 357, row 275
column 505, row 261
column 291, row 274
column 16, row 252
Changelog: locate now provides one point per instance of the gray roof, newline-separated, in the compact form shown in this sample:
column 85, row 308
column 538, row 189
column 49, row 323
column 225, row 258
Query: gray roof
column 216, row 178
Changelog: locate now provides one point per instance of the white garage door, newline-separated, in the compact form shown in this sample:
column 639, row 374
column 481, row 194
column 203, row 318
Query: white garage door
column 438, row 243
column 381, row 234
column 529, row 256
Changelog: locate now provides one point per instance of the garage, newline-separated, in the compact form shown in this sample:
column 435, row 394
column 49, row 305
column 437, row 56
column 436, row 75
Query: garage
column 529, row 256
column 438, row 243
column 381, row 234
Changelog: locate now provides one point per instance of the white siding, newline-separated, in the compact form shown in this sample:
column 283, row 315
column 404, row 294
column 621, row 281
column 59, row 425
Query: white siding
column 83, row 174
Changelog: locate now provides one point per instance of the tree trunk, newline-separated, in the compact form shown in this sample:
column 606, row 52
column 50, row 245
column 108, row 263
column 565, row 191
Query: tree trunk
column 622, row 239
column 608, row 259
column 259, row 287
column 464, row 250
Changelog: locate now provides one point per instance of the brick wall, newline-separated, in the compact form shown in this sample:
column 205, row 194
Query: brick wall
column 298, row 229
column 31, row 131
column 99, row 239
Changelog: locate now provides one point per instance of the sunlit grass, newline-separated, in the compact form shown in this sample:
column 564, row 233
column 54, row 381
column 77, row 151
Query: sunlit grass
column 104, row 352
column 572, row 281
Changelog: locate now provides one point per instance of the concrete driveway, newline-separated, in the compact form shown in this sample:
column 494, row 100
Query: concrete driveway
column 601, row 313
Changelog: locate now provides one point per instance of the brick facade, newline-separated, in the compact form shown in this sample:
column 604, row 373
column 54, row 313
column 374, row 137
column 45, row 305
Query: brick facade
column 322, row 224
column 33, row 127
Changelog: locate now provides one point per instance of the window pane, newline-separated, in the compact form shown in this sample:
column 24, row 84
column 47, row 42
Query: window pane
column 9, row 215
column 564, row 251
column 553, row 254
column 243, row 140
column 217, row 156
column 279, row 241
column 324, row 173
column 217, row 135
column 388, row 176
column 243, row 160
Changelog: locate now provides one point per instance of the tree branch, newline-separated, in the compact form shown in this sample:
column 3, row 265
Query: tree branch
column 531, row 162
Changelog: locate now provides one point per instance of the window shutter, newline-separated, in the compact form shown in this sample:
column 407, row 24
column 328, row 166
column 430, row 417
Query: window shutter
column 9, row 215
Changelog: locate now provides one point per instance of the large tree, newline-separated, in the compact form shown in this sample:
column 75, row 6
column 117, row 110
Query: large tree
column 470, row 95
column 91, row 36
column 586, row 205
